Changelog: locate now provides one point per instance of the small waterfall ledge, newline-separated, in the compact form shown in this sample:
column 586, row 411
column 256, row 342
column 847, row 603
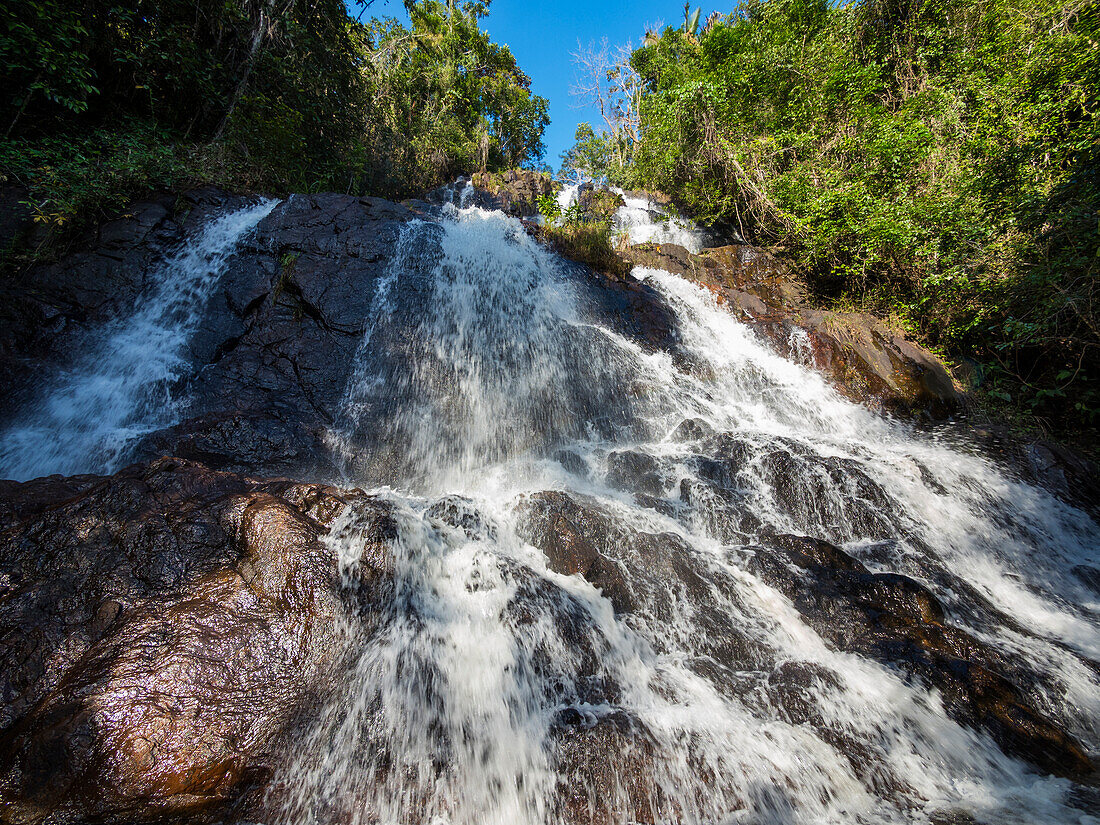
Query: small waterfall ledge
column 561, row 548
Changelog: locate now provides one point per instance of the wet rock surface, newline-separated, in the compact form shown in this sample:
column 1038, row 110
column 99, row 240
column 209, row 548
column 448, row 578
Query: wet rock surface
column 887, row 617
column 280, row 335
column 47, row 309
column 270, row 357
column 161, row 631
column 896, row 620
column 168, row 632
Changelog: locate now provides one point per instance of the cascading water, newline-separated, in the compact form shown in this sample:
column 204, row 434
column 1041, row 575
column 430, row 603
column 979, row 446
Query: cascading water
column 644, row 221
column 567, row 196
column 122, row 387
column 488, row 688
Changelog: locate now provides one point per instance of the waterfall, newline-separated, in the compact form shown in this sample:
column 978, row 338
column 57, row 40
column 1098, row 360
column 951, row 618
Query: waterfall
column 567, row 196
column 489, row 688
column 87, row 414
column 644, row 221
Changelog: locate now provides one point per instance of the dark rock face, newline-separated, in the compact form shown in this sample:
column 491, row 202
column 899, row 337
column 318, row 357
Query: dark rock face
column 45, row 309
column 270, row 358
column 280, row 337
column 162, row 629
column 897, row 621
column 650, row 574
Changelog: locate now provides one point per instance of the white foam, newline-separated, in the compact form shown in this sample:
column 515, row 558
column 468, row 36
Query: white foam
column 644, row 221
column 450, row 714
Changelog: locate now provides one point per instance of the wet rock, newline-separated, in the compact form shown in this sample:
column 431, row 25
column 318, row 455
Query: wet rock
column 632, row 308
column 635, row 472
column 691, row 429
column 271, row 353
column 572, row 462
column 163, row 629
column 604, row 768
column 515, row 192
column 799, row 691
column 272, row 356
column 656, row 575
column 1088, row 575
column 870, row 361
column 571, row 535
column 460, row 513
column 897, row 621
column 1065, row 473
column 48, row 308
column 734, row 478
column 725, row 512
column 240, row 441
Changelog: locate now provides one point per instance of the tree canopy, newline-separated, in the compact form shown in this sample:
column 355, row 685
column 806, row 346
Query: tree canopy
column 270, row 94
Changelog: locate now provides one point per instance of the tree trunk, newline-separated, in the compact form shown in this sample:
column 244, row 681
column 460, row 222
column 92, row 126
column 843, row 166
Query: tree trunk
column 26, row 99
column 253, row 53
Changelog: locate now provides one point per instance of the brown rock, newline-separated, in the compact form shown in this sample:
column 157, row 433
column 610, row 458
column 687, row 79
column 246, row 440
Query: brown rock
column 162, row 629
column 515, row 192
column 865, row 359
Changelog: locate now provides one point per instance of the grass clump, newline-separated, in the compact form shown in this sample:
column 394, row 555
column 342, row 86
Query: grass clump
column 591, row 244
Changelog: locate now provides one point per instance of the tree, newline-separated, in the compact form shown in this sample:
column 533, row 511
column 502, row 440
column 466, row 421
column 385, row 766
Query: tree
column 605, row 78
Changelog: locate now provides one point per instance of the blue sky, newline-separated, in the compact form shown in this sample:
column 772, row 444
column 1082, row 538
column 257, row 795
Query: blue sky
column 542, row 36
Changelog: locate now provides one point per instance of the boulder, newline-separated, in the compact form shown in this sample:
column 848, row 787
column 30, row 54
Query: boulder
column 653, row 575
column 515, row 192
column 162, row 629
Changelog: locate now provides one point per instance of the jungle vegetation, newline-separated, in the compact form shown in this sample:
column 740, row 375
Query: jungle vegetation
column 104, row 98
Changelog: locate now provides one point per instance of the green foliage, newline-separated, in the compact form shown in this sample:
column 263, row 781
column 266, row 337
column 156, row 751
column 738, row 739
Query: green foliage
column 40, row 48
column 938, row 159
column 591, row 158
column 583, row 231
column 549, row 208
column 95, row 173
column 105, row 98
column 444, row 99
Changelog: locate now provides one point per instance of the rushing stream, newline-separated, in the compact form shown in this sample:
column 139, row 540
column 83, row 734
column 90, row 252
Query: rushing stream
column 487, row 688
column 484, row 378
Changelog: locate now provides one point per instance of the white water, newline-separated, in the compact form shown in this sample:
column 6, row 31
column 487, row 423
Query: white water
column 567, row 196
column 86, row 416
column 491, row 687
column 644, row 221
